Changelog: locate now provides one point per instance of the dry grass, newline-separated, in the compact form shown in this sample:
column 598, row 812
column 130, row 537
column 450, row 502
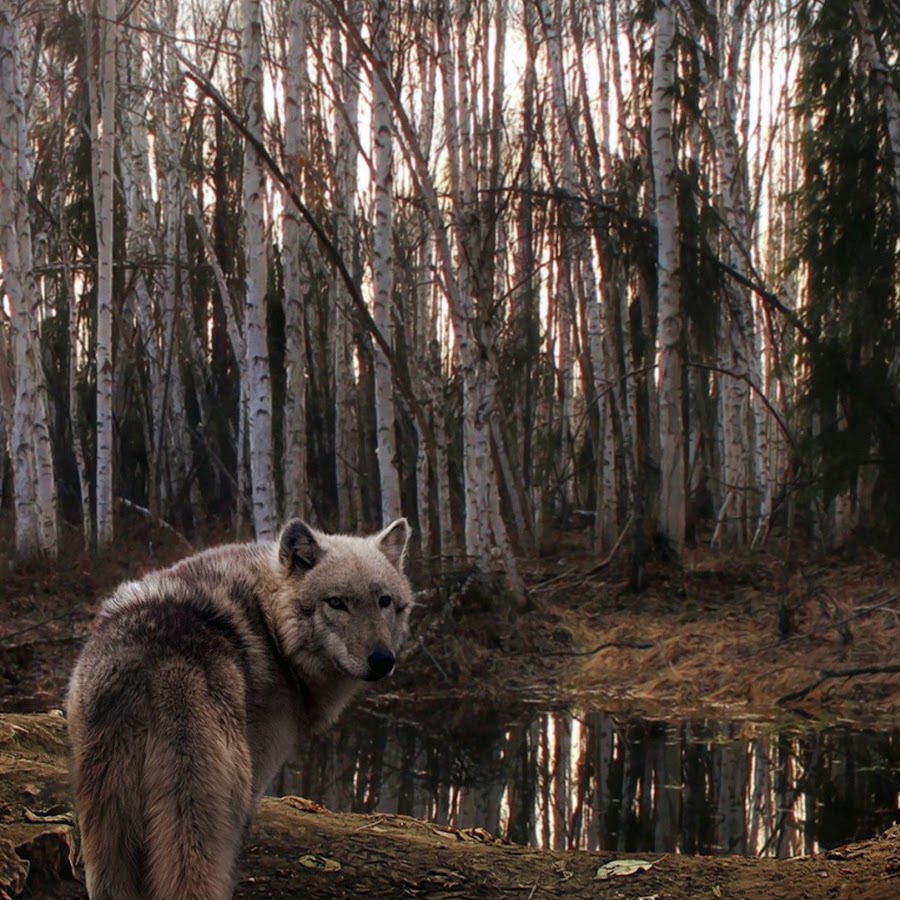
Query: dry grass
column 737, row 633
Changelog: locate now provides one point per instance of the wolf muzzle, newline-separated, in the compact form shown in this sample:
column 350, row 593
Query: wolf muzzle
column 381, row 663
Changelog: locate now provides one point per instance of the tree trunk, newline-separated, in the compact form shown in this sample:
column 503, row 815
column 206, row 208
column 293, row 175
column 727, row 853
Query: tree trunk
column 102, row 40
column 34, row 481
column 382, row 264
column 346, row 74
column 255, row 373
column 296, row 238
column 672, row 514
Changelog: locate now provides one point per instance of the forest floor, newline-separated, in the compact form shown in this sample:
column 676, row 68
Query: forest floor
column 769, row 637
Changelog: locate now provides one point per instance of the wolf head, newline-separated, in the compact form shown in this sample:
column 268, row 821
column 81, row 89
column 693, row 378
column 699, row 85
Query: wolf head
column 344, row 602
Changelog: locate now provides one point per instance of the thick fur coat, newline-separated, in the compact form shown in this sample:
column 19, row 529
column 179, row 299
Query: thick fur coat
column 195, row 685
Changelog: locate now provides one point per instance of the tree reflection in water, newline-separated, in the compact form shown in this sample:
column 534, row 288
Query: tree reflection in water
column 595, row 781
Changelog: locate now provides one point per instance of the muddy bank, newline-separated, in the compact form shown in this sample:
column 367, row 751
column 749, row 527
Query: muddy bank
column 299, row 849
column 734, row 635
column 771, row 635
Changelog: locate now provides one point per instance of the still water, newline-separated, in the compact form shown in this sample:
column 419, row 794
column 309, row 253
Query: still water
column 589, row 780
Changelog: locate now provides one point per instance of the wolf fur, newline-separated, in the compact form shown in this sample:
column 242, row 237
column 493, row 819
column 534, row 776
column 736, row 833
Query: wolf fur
column 195, row 685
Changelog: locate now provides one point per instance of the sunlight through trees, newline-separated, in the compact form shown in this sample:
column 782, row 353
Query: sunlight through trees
column 501, row 267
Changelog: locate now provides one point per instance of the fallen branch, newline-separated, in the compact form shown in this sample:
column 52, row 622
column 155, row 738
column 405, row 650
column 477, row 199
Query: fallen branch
column 602, row 565
column 66, row 614
column 827, row 674
column 591, row 572
column 627, row 645
column 156, row 520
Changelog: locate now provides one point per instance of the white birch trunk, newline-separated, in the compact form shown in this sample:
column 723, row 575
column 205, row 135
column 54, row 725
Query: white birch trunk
column 672, row 514
column 568, row 256
column 103, row 30
column 346, row 75
column 382, row 263
column 140, row 247
column 34, row 481
column 77, row 424
column 296, row 237
column 255, row 374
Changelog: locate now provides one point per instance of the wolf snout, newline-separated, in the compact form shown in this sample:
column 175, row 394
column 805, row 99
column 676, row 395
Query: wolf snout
column 381, row 663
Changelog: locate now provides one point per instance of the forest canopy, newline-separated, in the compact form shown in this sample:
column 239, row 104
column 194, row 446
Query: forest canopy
column 496, row 266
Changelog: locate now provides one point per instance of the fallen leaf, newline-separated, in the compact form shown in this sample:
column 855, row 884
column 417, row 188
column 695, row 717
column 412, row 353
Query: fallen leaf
column 560, row 868
column 621, row 867
column 322, row 863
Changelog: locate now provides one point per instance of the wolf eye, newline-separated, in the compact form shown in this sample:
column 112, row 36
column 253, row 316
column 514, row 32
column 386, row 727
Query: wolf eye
column 384, row 601
column 336, row 603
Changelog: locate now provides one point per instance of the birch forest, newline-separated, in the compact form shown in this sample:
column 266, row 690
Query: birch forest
column 499, row 266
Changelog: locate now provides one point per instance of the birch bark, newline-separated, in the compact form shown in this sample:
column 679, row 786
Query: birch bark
column 570, row 253
column 173, row 312
column 255, row 375
column 346, row 74
column 102, row 41
column 141, row 247
column 382, row 263
column 672, row 515
column 740, row 416
column 34, row 481
column 296, row 238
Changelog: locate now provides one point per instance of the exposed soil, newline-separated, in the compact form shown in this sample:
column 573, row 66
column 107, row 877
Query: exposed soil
column 298, row 849
column 759, row 636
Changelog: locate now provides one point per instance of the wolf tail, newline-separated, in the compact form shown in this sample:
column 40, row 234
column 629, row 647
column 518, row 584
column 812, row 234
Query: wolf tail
column 165, row 817
column 196, row 791
column 111, row 834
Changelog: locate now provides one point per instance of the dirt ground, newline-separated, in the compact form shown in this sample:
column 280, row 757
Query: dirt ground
column 770, row 636
column 298, row 849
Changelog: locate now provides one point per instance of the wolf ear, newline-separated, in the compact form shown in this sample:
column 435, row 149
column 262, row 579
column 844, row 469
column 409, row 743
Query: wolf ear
column 298, row 547
column 392, row 542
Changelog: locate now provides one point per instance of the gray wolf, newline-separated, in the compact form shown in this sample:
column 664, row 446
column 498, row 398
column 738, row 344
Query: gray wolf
column 195, row 685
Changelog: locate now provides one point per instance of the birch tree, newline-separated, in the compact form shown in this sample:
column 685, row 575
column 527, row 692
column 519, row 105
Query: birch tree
column 255, row 374
column 296, row 240
column 670, row 312
column 382, row 264
column 346, row 79
column 34, row 481
column 173, row 312
column 102, row 41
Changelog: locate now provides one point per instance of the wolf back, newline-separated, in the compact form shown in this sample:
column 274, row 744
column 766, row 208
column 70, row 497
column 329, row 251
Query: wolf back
column 195, row 685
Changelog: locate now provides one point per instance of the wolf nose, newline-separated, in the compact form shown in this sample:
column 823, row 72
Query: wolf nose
column 381, row 663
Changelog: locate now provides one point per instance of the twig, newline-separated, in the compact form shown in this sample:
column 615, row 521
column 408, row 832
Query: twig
column 128, row 504
column 628, row 645
column 69, row 613
column 600, row 566
column 592, row 572
column 826, row 674
column 858, row 612
column 437, row 665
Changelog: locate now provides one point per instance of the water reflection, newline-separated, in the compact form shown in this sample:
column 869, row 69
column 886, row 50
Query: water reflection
column 595, row 781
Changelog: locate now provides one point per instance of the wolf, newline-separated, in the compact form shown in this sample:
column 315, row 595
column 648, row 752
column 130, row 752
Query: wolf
column 195, row 685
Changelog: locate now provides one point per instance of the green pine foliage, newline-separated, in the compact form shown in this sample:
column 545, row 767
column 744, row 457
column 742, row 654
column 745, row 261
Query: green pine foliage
column 849, row 247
